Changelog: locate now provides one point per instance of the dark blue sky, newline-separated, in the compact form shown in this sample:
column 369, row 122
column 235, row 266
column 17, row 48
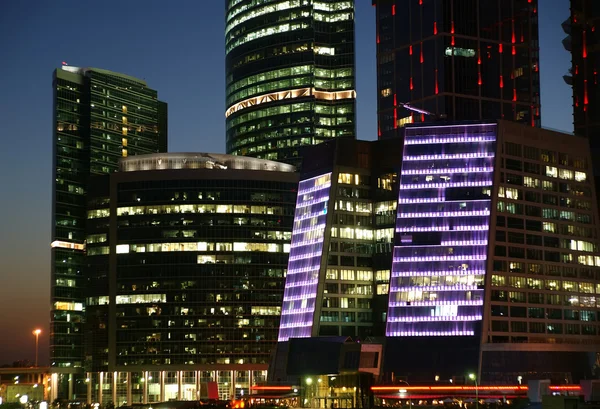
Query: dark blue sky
column 177, row 46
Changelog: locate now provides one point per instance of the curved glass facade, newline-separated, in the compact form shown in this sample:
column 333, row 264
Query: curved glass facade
column 194, row 249
column 290, row 75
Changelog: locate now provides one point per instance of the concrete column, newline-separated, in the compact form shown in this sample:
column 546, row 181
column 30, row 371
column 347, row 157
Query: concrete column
column 129, row 386
column 114, row 389
column 232, row 386
column 145, row 388
column 100, row 382
column 70, row 386
column 88, row 381
column 197, row 384
column 162, row 385
column 179, row 379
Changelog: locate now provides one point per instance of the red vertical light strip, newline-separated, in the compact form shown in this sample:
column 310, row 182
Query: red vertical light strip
column 411, row 84
column 584, row 45
column 514, row 50
column 377, row 39
column 437, row 90
column 452, row 27
column 453, row 42
column 395, row 118
column 585, row 92
column 410, row 50
column 395, row 101
column 393, row 9
column 500, row 48
column 421, row 53
column 421, row 2
column 378, row 131
column 532, row 118
column 576, row 101
column 501, row 81
column 478, row 57
column 514, row 95
column 576, row 69
column 422, row 117
column 434, row 27
column 513, row 31
column 479, row 78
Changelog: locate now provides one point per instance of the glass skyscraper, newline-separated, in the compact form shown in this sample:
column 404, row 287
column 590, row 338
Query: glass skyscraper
column 472, row 247
column 290, row 75
column 459, row 59
column 189, row 254
column 99, row 117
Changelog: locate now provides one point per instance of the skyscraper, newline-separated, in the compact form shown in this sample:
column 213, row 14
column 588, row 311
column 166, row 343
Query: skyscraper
column 495, row 262
column 99, row 117
column 189, row 253
column 460, row 59
column 290, row 75
column 582, row 42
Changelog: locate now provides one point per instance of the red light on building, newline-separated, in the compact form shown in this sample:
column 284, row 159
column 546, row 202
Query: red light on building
column 410, row 50
column 422, row 53
column 452, row 27
column 500, row 48
column 501, row 81
column 435, row 27
column 436, row 82
column 393, row 9
column 479, row 79
column 514, row 95
column 514, row 50
column 270, row 388
column 411, row 84
column 584, row 45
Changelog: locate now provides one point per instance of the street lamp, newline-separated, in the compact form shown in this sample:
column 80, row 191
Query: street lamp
column 37, row 333
column 404, row 391
column 473, row 377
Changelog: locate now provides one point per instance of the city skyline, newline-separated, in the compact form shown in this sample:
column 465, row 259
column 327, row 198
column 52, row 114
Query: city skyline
column 188, row 70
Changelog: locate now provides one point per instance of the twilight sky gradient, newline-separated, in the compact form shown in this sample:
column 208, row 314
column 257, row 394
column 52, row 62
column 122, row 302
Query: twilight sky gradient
column 178, row 47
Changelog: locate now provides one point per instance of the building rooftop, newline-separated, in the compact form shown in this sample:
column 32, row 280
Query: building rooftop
column 170, row 161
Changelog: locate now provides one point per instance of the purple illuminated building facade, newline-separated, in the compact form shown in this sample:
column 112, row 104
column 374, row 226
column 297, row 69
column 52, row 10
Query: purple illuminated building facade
column 470, row 247
column 440, row 256
column 302, row 282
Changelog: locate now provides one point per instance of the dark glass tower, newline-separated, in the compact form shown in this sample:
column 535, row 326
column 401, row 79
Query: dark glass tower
column 582, row 41
column 462, row 59
column 187, row 254
column 99, row 117
column 290, row 76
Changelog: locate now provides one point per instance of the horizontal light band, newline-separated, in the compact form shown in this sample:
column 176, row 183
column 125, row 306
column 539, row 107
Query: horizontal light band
column 67, row 245
column 434, row 303
column 447, row 171
column 305, row 256
column 297, row 311
column 462, row 388
column 473, row 183
column 440, row 258
column 476, row 155
column 314, row 188
column 270, row 388
column 437, row 273
column 458, row 287
column 296, row 324
column 439, row 199
column 456, row 139
column 429, row 333
column 289, row 94
column 444, row 214
column 308, row 229
column 308, row 203
column 301, row 283
column 308, row 216
column 437, row 318
column 441, row 228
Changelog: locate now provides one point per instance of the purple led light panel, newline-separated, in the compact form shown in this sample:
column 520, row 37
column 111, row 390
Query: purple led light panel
column 436, row 237
column 306, row 250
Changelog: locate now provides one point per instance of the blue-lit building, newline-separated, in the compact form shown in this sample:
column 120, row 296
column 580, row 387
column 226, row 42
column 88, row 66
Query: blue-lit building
column 472, row 248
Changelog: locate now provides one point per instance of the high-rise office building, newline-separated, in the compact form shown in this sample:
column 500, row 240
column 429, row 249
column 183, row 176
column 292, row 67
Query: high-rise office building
column 99, row 117
column 495, row 266
column 189, row 254
column 290, row 75
column 582, row 42
column 342, row 240
column 459, row 59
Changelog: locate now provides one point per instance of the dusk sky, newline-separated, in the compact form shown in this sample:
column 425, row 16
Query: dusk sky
column 178, row 48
